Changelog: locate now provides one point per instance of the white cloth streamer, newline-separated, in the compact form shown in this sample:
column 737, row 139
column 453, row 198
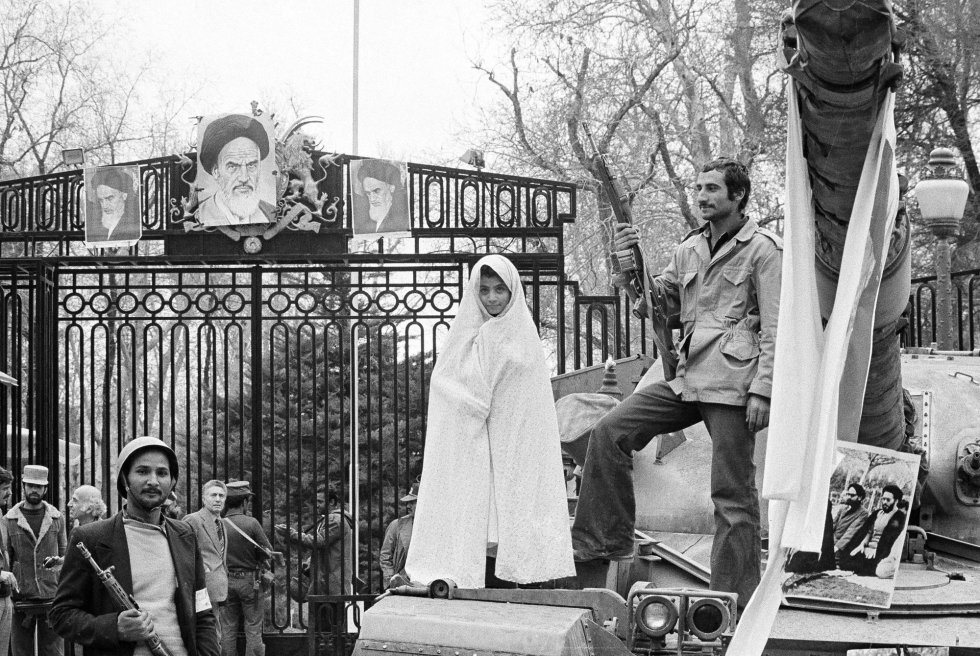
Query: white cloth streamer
column 492, row 470
column 809, row 372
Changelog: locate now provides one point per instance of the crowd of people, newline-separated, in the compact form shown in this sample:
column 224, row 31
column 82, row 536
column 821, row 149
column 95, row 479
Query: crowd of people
column 196, row 580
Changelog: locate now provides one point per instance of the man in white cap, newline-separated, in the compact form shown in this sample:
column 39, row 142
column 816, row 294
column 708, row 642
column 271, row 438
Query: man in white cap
column 36, row 541
column 154, row 559
column 394, row 549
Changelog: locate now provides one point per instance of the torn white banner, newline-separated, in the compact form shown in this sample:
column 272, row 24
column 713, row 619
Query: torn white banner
column 810, row 363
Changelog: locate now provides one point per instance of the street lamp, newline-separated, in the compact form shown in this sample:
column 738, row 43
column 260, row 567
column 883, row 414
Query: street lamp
column 942, row 194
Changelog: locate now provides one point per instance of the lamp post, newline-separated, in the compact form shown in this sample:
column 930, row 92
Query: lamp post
column 942, row 194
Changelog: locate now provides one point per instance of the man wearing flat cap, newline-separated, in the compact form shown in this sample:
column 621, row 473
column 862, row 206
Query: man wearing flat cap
column 231, row 151
column 381, row 202
column 249, row 555
column 113, row 212
column 394, row 549
column 36, row 544
column 154, row 559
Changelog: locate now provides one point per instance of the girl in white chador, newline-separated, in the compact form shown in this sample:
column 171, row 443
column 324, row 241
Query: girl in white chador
column 492, row 478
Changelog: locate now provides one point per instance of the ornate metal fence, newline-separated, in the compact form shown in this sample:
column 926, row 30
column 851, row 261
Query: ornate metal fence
column 288, row 368
column 966, row 323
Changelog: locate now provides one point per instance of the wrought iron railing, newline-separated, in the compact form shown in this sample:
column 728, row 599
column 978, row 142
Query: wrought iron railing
column 966, row 320
column 252, row 366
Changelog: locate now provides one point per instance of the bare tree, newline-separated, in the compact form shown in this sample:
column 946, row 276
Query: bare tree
column 939, row 97
column 63, row 88
column 666, row 85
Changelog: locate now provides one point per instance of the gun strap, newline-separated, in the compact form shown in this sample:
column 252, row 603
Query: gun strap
column 248, row 537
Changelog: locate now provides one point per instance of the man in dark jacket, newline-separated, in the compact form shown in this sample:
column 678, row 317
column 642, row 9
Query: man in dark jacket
column 36, row 544
column 332, row 542
column 156, row 560
column 249, row 555
column 873, row 542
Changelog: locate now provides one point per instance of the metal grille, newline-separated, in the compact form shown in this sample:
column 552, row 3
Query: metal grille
column 289, row 371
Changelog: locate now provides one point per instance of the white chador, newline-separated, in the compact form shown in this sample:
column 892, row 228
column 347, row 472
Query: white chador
column 492, row 474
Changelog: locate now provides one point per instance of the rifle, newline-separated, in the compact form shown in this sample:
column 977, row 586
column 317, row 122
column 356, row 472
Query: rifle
column 629, row 271
column 123, row 599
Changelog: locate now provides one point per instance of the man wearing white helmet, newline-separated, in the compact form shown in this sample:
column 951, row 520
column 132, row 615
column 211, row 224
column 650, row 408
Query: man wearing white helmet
column 156, row 560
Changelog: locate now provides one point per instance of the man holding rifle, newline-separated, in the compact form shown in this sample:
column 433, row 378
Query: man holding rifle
column 156, row 562
column 724, row 281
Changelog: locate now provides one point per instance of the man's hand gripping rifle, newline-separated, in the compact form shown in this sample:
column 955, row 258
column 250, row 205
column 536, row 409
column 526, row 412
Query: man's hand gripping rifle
column 629, row 271
column 123, row 599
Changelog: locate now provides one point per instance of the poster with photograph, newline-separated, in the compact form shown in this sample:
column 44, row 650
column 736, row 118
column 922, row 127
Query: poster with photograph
column 112, row 206
column 380, row 199
column 236, row 170
column 864, row 532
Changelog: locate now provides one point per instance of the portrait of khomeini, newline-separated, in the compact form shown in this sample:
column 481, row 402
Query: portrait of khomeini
column 236, row 170
column 112, row 207
column 380, row 196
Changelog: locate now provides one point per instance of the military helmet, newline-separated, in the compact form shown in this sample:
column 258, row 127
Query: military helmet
column 129, row 452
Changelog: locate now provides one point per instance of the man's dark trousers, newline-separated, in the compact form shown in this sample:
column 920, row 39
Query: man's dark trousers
column 606, row 510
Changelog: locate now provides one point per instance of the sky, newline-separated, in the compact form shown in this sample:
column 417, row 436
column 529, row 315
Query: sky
column 418, row 91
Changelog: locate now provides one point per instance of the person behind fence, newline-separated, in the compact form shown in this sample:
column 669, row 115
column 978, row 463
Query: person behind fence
column 332, row 542
column 398, row 537
column 724, row 281
column 249, row 559
column 36, row 544
column 492, row 506
column 210, row 532
column 8, row 582
column 155, row 560
column 86, row 505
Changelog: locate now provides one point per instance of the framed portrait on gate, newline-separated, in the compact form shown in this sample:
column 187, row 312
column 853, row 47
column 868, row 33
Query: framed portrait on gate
column 236, row 170
column 112, row 208
column 380, row 197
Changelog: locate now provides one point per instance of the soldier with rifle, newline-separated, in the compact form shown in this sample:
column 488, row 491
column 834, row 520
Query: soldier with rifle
column 133, row 584
column 724, row 282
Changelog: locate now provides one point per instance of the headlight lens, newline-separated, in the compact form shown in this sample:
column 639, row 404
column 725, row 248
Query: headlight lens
column 656, row 615
column 707, row 618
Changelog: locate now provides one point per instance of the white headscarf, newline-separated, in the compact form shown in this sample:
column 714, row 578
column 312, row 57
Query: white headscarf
column 492, row 470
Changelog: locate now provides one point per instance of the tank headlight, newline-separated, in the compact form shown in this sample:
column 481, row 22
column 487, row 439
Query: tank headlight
column 442, row 589
column 708, row 618
column 656, row 615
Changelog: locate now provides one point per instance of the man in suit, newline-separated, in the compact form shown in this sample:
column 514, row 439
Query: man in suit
column 210, row 532
column 873, row 541
column 380, row 205
column 155, row 559
column 232, row 150
column 115, row 214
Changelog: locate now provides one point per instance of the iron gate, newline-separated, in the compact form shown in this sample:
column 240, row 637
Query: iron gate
column 287, row 371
